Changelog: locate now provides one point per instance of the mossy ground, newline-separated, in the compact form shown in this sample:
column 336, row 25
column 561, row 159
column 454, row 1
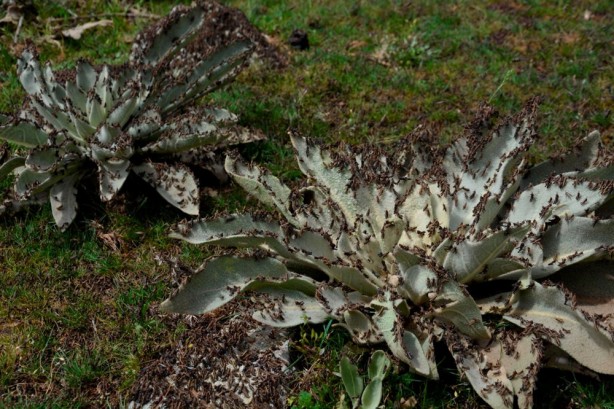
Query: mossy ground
column 78, row 315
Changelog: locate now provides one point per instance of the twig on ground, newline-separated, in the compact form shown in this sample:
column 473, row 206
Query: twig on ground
column 131, row 14
column 18, row 29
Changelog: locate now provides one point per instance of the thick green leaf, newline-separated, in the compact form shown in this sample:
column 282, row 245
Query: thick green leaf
column 220, row 281
column 361, row 327
column 576, row 160
column 352, row 381
column 107, row 139
column 378, row 365
column 95, row 112
column 379, row 205
column 233, row 230
column 333, row 299
column 43, row 160
column 461, row 310
column 313, row 245
column 176, row 184
column 521, row 365
column 190, row 131
column 10, row 165
column 146, row 127
column 336, row 301
column 218, row 68
column 418, row 280
column 559, row 197
column 60, row 120
column 390, row 234
column 320, row 213
column 77, row 97
column 242, row 231
column 500, row 267
column 208, row 75
column 29, row 182
column 63, row 199
column 263, row 186
column 31, row 77
column 547, row 312
column 428, row 346
column 416, row 210
column 353, row 278
column 318, row 165
column 485, row 174
column 112, row 176
column 469, row 258
column 483, row 370
column 597, row 173
column 86, row 76
column 56, row 91
column 441, row 251
column 176, row 142
column 103, row 90
column 503, row 369
column 24, row 134
column 592, row 284
column 83, row 128
column 576, row 239
column 372, row 395
column 282, row 307
column 122, row 113
column 363, row 251
column 402, row 343
column 152, row 49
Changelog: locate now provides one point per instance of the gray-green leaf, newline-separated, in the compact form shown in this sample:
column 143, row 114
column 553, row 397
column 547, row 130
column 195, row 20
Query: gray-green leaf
column 547, row 311
column 24, row 134
column 220, row 281
column 352, row 381
column 63, row 199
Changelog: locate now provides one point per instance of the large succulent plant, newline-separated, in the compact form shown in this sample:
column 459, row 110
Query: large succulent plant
column 140, row 117
column 426, row 246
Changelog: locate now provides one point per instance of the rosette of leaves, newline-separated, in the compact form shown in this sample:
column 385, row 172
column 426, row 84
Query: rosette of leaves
column 140, row 117
column 424, row 246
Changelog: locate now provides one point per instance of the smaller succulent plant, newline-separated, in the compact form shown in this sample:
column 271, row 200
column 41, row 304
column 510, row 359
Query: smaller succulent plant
column 140, row 117
column 424, row 246
column 369, row 396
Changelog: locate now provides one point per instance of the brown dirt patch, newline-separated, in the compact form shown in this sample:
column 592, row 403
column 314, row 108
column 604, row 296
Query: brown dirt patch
column 222, row 360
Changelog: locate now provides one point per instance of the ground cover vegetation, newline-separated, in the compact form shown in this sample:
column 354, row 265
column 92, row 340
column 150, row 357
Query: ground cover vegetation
column 424, row 246
column 79, row 319
column 127, row 119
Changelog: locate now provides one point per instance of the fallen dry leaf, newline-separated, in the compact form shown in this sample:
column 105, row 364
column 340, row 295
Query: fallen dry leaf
column 13, row 14
column 111, row 240
column 352, row 45
column 381, row 54
column 274, row 41
column 76, row 32
column 587, row 15
column 136, row 12
column 409, row 403
column 570, row 38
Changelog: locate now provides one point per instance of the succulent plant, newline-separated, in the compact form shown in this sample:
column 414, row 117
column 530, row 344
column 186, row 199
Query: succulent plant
column 424, row 246
column 140, row 117
column 369, row 396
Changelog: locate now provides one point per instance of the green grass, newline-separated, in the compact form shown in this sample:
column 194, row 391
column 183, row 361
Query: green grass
column 313, row 350
column 75, row 312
